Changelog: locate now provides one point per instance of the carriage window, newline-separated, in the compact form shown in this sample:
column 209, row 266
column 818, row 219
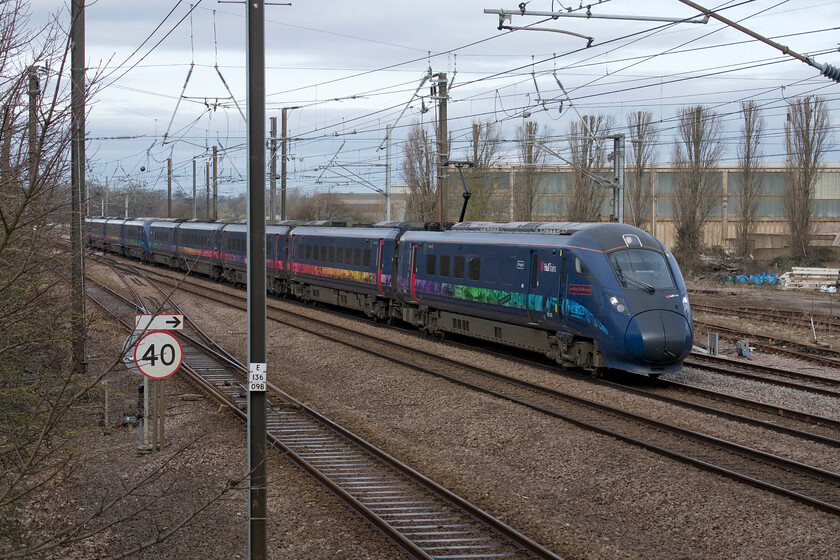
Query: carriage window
column 366, row 258
column 348, row 255
column 474, row 270
column 431, row 260
column 357, row 257
column 331, row 254
column 339, row 255
column 458, row 271
column 309, row 252
column 323, row 253
column 444, row 265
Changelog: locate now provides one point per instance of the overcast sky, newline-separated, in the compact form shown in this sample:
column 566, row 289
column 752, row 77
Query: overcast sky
column 354, row 66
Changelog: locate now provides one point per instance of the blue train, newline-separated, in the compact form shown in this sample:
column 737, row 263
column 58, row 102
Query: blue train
column 591, row 295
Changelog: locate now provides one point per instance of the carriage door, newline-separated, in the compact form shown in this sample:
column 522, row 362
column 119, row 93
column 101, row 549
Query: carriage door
column 413, row 270
column 533, row 285
column 379, row 267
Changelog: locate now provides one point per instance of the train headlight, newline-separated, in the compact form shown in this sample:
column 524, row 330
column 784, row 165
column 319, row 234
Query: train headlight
column 686, row 306
column 619, row 305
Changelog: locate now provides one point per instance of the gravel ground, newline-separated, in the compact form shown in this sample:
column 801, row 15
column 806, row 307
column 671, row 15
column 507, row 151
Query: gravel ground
column 583, row 495
column 305, row 521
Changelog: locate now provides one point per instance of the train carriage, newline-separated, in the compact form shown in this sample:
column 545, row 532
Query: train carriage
column 162, row 242
column 234, row 255
column 135, row 238
column 277, row 238
column 350, row 267
column 114, row 235
column 233, row 246
column 198, row 247
column 593, row 295
column 95, row 232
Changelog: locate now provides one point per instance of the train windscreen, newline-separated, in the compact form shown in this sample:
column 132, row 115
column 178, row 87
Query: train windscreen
column 642, row 269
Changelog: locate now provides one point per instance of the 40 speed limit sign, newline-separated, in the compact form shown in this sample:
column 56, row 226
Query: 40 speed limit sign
column 158, row 355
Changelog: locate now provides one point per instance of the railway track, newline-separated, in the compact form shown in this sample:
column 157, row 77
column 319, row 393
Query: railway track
column 764, row 374
column 775, row 345
column 808, row 427
column 808, row 484
column 424, row 519
column 785, row 316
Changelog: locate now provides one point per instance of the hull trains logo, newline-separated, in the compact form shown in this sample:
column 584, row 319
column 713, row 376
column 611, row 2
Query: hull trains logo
column 548, row 267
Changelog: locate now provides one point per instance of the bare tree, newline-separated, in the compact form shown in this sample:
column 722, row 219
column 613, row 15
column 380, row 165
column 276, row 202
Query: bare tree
column 643, row 137
column 44, row 396
column 528, row 188
column 320, row 206
column 589, row 161
column 697, row 150
column 487, row 201
column 749, row 158
column 418, row 170
column 807, row 137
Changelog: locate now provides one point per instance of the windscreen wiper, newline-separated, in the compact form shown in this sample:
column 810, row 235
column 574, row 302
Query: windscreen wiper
column 624, row 280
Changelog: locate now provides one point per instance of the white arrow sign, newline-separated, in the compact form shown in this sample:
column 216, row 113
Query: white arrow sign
column 158, row 355
column 172, row 322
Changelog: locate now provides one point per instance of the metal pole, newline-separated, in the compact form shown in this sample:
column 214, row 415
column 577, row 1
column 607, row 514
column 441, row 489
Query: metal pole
column 256, row 278
column 105, row 200
column 161, row 394
column 283, row 148
column 169, row 187
column 618, row 179
column 273, row 174
column 216, row 184
column 388, row 173
column 126, row 206
column 147, row 396
column 77, row 218
column 195, row 184
column 443, row 155
column 153, row 409
column 207, row 182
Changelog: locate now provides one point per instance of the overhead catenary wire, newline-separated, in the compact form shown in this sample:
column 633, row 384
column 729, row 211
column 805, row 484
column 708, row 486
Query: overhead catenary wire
column 584, row 100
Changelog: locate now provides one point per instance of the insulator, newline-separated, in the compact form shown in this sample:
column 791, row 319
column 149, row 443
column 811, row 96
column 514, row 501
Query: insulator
column 831, row 72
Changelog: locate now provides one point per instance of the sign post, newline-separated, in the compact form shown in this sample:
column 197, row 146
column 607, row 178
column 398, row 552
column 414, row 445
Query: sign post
column 155, row 354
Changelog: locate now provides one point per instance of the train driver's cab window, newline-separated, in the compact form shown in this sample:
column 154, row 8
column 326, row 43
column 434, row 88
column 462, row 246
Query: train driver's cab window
column 431, row 261
column 642, row 269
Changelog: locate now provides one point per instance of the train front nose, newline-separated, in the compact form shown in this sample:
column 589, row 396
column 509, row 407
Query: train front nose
column 658, row 337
